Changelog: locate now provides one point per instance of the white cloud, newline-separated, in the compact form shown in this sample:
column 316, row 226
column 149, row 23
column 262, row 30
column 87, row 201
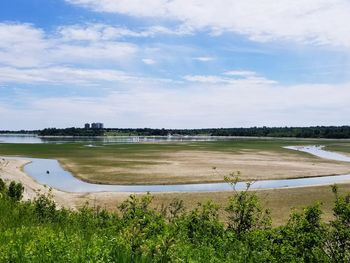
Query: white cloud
column 91, row 45
column 102, row 32
column 29, row 55
column 199, row 105
column 240, row 73
column 81, row 54
column 242, row 78
column 62, row 75
column 318, row 22
column 149, row 61
column 104, row 78
column 23, row 45
column 89, row 33
column 206, row 79
column 106, row 51
column 204, row 59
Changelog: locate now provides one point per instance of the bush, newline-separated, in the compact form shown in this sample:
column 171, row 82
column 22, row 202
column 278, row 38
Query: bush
column 244, row 209
column 45, row 207
column 2, row 186
column 15, row 191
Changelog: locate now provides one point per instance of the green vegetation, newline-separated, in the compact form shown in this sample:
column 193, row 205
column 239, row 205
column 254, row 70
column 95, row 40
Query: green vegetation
column 38, row 231
column 335, row 132
column 71, row 132
column 149, row 151
column 339, row 147
column 331, row 132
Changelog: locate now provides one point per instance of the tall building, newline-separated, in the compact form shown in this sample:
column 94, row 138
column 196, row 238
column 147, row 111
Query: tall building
column 87, row 126
column 97, row 125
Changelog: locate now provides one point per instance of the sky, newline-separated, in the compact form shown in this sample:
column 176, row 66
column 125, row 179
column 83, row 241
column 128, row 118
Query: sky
column 174, row 63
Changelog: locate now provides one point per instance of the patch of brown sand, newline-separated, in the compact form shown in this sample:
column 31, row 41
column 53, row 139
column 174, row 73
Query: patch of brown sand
column 198, row 166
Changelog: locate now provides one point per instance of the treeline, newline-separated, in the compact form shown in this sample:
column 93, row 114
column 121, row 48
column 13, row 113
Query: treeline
column 330, row 132
column 71, row 132
column 335, row 132
column 299, row 132
column 38, row 231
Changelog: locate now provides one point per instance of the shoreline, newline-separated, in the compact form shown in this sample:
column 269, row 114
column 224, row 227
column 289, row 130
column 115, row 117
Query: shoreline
column 12, row 170
column 83, row 179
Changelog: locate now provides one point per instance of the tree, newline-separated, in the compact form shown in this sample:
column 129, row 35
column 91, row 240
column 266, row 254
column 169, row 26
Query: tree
column 338, row 242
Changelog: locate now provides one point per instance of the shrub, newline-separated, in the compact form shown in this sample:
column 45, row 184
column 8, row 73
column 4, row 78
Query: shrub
column 15, row 191
column 244, row 210
column 2, row 185
column 338, row 241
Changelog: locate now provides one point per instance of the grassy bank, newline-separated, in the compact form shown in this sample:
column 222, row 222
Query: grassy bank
column 280, row 202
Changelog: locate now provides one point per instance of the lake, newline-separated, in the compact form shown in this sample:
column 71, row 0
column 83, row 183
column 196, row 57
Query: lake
column 24, row 138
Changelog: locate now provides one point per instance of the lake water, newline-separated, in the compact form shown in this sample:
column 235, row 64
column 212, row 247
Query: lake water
column 60, row 179
column 23, row 138
column 91, row 141
column 319, row 151
column 19, row 138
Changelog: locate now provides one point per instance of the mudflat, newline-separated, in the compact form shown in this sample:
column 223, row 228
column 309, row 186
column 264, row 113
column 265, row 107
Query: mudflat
column 180, row 163
column 182, row 167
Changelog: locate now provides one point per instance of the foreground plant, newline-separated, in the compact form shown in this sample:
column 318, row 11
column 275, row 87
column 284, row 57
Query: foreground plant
column 39, row 231
column 244, row 210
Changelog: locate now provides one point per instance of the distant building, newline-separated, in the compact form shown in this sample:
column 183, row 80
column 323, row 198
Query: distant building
column 97, row 125
column 87, row 126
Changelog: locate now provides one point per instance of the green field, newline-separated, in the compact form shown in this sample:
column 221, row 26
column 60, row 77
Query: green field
column 148, row 150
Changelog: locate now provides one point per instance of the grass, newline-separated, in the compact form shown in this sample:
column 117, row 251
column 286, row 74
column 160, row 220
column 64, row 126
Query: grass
column 149, row 151
column 343, row 147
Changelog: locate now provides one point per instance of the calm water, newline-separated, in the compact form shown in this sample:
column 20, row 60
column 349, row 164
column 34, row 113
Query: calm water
column 104, row 140
column 19, row 138
column 91, row 141
column 319, row 151
column 60, row 179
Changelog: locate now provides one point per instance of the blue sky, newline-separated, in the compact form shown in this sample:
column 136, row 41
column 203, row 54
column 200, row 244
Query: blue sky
column 174, row 64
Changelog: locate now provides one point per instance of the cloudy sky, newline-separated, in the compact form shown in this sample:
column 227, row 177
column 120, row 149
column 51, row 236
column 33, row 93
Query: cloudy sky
column 174, row 63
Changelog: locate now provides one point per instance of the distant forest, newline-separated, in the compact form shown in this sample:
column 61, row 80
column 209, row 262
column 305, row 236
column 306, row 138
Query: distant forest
column 331, row 132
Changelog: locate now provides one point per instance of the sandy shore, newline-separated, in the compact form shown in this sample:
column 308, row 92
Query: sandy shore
column 279, row 201
column 12, row 170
